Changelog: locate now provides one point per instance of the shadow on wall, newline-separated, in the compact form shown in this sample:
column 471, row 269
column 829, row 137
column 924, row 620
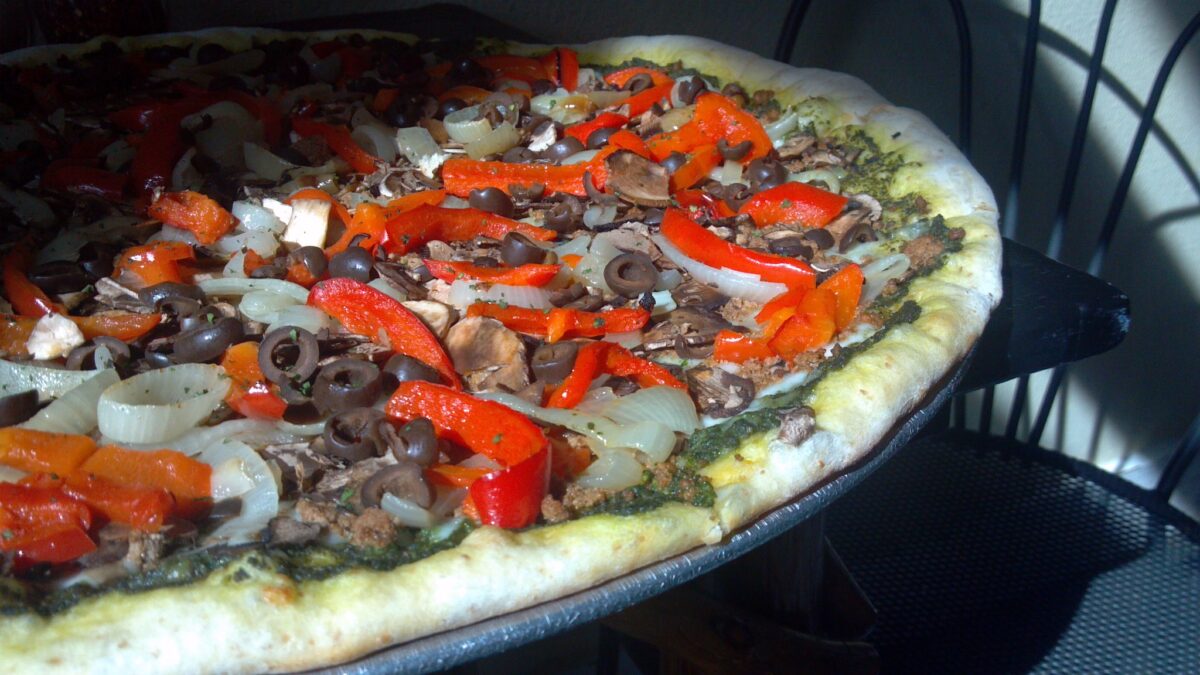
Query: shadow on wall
column 1144, row 392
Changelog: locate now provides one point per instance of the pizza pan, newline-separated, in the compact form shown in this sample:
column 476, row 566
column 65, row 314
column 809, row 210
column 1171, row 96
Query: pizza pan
column 491, row 636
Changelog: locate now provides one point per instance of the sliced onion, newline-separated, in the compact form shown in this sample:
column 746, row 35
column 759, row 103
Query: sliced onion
column 580, row 157
column 612, row 470
column 117, row 154
column 12, row 135
column 563, row 107
column 782, row 127
column 264, row 305
column 264, row 162
column 466, row 126
column 668, row 280
column 75, row 411
column 310, row 319
column 313, row 429
column 877, row 273
column 261, row 242
column 416, row 144
column 652, row 438
column 253, row 432
column 240, row 472
column 830, row 177
column 577, row 246
column 676, row 117
column 627, row 339
column 464, row 293
column 605, row 98
column 161, row 404
column 388, row 288
column 730, row 172
column 29, row 209
column 407, row 512
column 49, row 382
column 171, row 233
column 255, row 218
column 663, row 302
column 598, row 214
column 493, row 142
column 452, row 202
column 227, row 287
column 309, row 225
column 667, row 405
column 66, row 244
column 730, row 282
column 375, row 141
column 221, row 129
column 10, row 475
column 676, row 101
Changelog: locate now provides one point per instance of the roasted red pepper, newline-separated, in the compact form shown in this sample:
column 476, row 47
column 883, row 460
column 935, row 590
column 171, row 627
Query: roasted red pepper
column 683, row 140
column 598, row 358
column 411, row 229
column 460, row 176
column 512, row 498
column 605, row 120
column 162, row 145
column 562, row 67
column 143, row 508
column 35, row 451
column 524, row 275
column 194, row 212
column 26, row 298
column 559, row 323
column 188, row 480
column 31, row 507
column 699, row 163
column 703, row 246
column 366, row 311
column 339, row 140
column 619, row 78
column 697, row 202
column 156, row 262
column 511, row 66
column 14, row 333
column 794, row 203
column 250, row 394
column 625, row 139
column 812, row 326
column 53, row 544
column 719, row 118
column 846, row 285
column 80, row 177
column 739, row 348
column 644, row 100
column 125, row 326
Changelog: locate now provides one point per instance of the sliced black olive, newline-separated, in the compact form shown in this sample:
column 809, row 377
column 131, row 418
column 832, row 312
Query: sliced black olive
column 858, row 233
column 531, row 192
column 450, row 105
column 696, row 294
column 288, row 354
column 119, row 351
column 792, row 246
column 96, row 259
column 566, row 215
column 735, row 153
column 59, row 276
column 599, row 138
column 273, row 270
column 313, row 259
column 353, row 263
column 563, row 149
column 404, row 480
column 551, row 363
column 639, row 82
column 690, row 88
column 157, row 355
column 569, row 294
column 518, row 154
column 653, row 216
column 207, row 342
column 517, row 249
column 81, row 357
column 468, row 71
column 352, row 434
column 822, row 238
column 155, row 295
column 206, row 316
column 404, row 368
column 485, row 261
column 16, row 408
column 414, row 442
column 765, row 170
column 736, row 194
column 673, row 161
column 492, row 200
column 346, row 383
column 179, row 306
column 631, row 274
column 720, row 393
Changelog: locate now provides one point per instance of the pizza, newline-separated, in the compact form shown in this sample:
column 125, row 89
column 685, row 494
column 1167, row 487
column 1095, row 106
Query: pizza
column 314, row 344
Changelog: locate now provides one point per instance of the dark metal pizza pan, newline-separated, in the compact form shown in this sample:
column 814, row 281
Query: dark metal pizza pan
column 501, row 633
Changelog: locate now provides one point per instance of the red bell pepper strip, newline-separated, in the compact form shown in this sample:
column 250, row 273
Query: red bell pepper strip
column 739, row 348
column 194, row 212
column 698, row 202
column 188, row 480
column 411, row 229
column 366, row 311
column 812, row 326
column 371, row 220
column 136, row 117
column 620, row 77
column 794, row 203
column 124, row 326
column 68, row 175
column 54, row 544
column 409, row 202
column 26, row 298
column 559, row 323
column 700, row 161
column 145, row 509
column 605, row 120
column 846, row 285
column 455, row 475
column 645, row 100
column 340, row 210
column 250, row 394
column 465, row 92
column 485, row 427
column 625, row 139
column 510, row 66
column 512, row 498
column 596, row 358
column 524, row 275
column 461, row 176
column 35, row 451
column 562, row 67
column 683, row 140
column 14, row 333
column 339, row 141
column 699, row 244
column 719, row 117
column 156, row 262
column 162, row 145
column 32, row 507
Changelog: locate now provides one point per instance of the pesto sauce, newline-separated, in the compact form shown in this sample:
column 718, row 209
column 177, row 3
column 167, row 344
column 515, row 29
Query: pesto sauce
column 684, row 486
column 310, row 562
column 873, row 173
column 710, row 444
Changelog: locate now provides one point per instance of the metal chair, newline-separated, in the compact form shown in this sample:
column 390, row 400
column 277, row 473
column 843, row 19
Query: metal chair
column 988, row 553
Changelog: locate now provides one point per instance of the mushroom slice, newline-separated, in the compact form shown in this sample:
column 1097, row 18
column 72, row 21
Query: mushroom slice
column 638, row 180
column 404, row 480
column 435, row 315
column 720, row 393
column 695, row 325
column 490, row 356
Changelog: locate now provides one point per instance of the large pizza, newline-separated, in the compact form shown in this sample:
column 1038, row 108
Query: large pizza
column 317, row 343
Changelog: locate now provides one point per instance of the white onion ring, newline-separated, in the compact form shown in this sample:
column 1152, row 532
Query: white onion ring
column 244, row 286
column 161, row 404
column 49, row 382
column 466, row 126
column 730, row 282
column 75, row 411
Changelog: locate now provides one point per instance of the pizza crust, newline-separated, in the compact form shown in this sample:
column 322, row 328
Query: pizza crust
column 269, row 622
